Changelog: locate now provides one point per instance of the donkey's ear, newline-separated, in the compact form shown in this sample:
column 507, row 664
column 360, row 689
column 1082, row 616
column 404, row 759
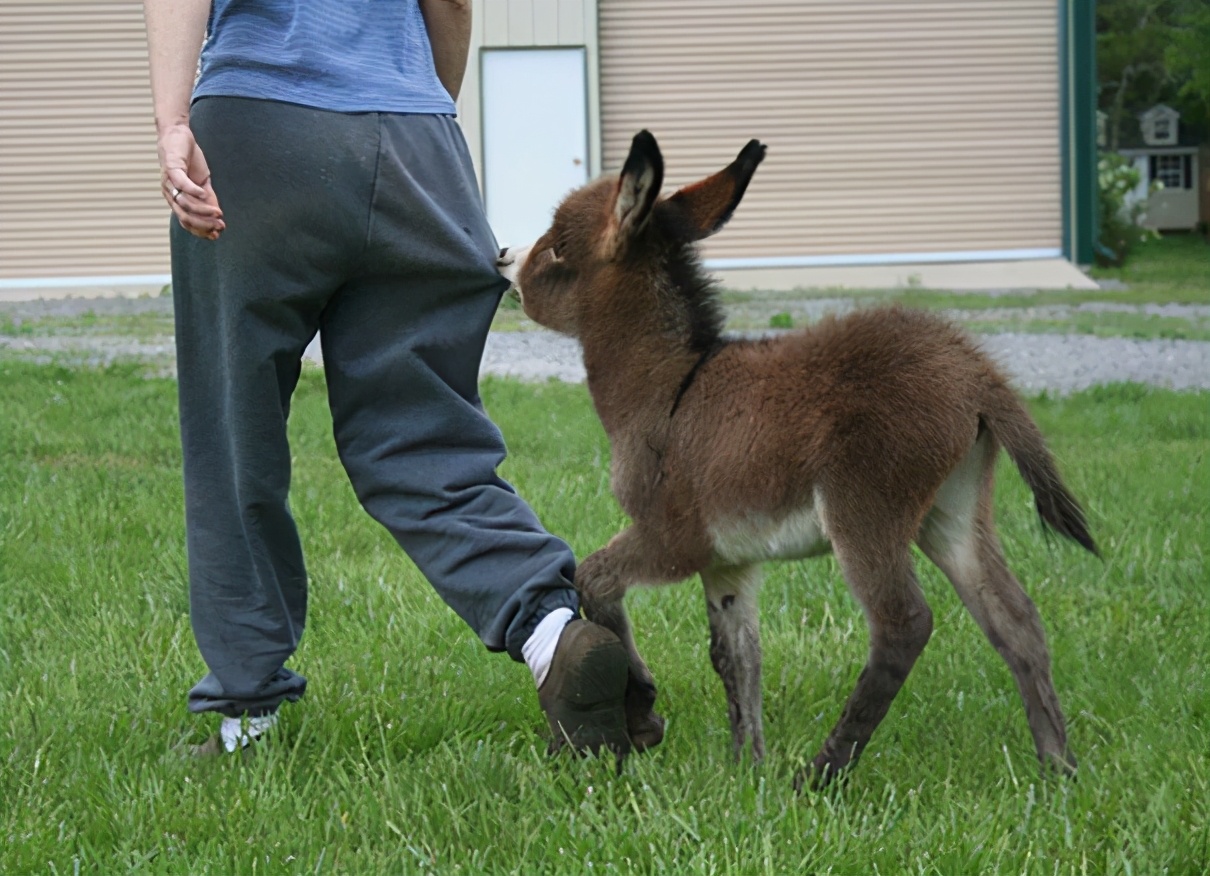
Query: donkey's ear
column 705, row 206
column 639, row 186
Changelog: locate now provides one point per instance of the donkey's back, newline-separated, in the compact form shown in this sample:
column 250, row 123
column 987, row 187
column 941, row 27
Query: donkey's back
column 883, row 404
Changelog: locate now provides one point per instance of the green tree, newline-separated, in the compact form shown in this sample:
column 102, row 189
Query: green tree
column 1149, row 52
column 1188, row 60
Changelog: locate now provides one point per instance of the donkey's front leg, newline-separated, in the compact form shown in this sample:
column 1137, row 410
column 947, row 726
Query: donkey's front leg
column 731, row 604
column 602, row 580
column 645, row 727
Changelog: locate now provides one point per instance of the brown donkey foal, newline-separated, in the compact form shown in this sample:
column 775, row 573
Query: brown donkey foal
column 860, row 435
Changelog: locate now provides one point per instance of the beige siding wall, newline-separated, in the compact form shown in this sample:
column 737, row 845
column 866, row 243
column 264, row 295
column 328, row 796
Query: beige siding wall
column 79, row 182
column 526, row 24
column 893, row 126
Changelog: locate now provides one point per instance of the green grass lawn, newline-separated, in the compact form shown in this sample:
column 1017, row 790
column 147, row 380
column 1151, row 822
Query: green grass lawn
column 1176, row 267
column 134, row 326
column 417, row 751
column 1102, row 325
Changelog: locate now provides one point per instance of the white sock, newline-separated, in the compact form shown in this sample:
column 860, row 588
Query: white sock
column 539, row 648
column 239, row 732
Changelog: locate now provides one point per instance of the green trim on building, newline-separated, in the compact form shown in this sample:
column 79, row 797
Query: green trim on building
column 1078, row 123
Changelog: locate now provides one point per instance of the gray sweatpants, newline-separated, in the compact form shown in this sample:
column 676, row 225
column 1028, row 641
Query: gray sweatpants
column 368, row 228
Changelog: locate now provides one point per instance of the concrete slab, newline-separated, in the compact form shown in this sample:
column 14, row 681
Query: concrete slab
column 38, row 292
column 970, row 276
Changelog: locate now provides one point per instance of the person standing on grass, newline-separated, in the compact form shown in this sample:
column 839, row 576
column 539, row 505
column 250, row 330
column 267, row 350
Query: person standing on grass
column 320, row 183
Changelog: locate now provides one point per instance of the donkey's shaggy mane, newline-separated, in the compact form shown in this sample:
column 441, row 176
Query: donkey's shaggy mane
column 689, row 282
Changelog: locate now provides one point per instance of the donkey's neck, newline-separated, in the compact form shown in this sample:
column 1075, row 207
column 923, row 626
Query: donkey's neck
column 643, row 341
column 636, row 381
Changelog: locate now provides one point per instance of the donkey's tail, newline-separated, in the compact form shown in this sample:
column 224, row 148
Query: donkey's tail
column 1003, row 413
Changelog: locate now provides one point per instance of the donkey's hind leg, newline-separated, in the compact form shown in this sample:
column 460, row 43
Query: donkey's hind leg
column 959, row 536
column 900, row 622
column 731, row 604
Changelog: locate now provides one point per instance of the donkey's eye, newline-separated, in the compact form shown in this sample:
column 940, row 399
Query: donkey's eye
column 554, row 252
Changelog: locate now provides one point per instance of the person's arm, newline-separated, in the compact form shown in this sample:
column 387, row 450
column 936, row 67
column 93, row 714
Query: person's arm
column 175, row 30
column 448, row 23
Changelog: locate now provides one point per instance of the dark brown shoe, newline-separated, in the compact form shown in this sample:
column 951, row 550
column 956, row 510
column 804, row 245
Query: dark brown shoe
column 213, row 748
column 585, row 690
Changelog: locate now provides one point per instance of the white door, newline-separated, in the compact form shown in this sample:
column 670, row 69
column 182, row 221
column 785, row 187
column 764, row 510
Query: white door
column 535, row 137
column 1173, row 206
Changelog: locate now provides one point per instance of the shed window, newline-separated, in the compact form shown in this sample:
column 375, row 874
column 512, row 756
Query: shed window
column 1169, row 170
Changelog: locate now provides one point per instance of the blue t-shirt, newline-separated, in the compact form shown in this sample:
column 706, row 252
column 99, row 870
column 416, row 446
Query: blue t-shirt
column 342, row 55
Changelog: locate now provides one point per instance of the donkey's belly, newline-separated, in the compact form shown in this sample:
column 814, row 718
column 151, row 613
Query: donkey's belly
column 754, row 537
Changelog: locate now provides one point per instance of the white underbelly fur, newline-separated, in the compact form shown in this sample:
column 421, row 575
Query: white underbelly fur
column 753, row 538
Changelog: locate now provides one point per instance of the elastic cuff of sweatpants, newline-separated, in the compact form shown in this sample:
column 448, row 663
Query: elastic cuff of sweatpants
column 285, row 687
column 518, row 635
column 233, row 709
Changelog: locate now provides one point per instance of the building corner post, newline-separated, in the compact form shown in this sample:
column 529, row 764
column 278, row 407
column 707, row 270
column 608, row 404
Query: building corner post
column 1078, row 109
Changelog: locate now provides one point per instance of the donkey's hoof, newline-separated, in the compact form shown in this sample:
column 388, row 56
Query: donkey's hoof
column 643, row 725
column 822, row 774
column 1061, row 765
column 646, row 730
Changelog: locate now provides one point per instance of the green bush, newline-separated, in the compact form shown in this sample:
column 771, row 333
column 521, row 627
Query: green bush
column 1120, row 231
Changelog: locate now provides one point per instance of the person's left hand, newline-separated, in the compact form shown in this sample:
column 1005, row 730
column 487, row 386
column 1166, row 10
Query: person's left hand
column 185, row 183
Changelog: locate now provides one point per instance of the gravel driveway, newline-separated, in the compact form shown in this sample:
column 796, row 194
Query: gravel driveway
column 1056, row 363
column 1053, row 362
